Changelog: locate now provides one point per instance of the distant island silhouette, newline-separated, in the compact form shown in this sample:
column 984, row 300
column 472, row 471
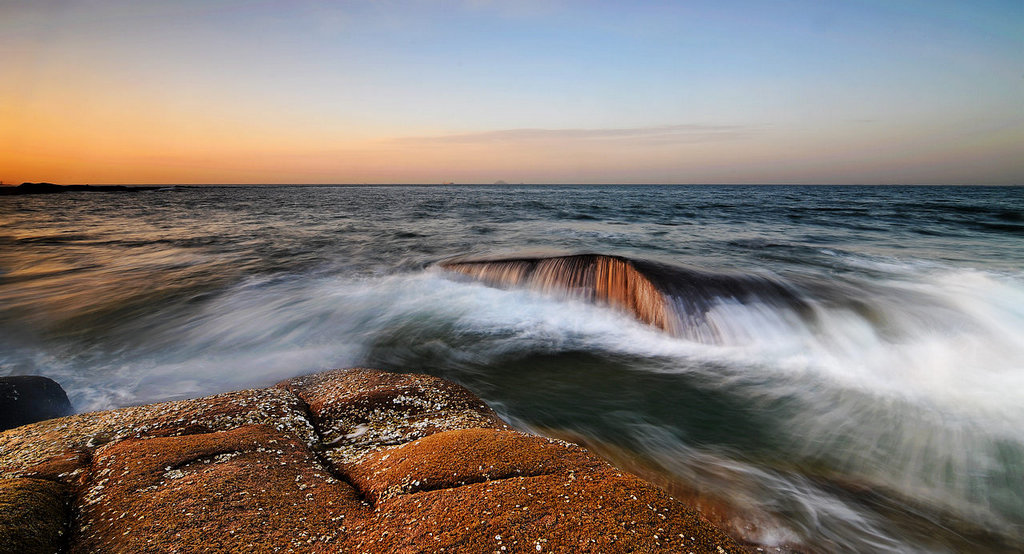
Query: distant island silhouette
column 50, row 188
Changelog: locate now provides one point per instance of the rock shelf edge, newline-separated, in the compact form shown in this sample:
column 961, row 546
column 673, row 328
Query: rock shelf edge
column 350, row 460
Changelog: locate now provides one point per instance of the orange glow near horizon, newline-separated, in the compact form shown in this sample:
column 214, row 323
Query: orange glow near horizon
column 68, row 137
column 184, row 93
column 189, row 149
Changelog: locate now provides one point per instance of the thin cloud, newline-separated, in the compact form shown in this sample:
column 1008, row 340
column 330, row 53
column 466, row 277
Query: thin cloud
column 664, row 134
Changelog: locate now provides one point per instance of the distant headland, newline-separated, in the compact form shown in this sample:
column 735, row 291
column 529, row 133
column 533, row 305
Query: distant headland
column 50, row 188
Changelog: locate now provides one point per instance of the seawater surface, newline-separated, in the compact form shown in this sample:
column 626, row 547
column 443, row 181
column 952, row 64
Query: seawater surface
column 875, row 404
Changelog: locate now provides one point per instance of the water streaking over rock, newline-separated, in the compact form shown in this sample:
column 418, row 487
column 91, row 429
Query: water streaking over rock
column 673, row 299
column 605, row 279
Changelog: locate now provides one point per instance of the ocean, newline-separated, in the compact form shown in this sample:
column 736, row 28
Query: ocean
column 842, row 368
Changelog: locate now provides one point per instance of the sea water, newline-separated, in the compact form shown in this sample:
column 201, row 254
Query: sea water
column 874, row 403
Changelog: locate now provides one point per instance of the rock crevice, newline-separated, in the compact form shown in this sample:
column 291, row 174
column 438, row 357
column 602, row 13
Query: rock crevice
column 346, row 460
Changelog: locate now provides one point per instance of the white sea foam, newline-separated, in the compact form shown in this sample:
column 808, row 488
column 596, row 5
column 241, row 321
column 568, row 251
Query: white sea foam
column 955, row 342
column 915, row 394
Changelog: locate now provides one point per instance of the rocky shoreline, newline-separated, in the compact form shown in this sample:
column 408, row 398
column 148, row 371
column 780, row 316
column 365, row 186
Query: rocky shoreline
column 342, row 461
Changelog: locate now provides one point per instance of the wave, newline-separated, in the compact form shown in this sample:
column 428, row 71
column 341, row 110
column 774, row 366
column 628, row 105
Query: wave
column 907, row 381
column 674, row 299
column 606, row 279
column 902, row 393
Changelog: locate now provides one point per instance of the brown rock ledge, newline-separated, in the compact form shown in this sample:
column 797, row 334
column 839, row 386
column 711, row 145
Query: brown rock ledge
column 342, row 461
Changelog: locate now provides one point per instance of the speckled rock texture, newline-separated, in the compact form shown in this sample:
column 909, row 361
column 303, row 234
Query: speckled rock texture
column 34, row 515
column 342, row 461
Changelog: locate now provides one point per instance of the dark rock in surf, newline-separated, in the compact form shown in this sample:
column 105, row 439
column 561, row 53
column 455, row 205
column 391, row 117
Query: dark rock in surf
column 342, row 461
column 27, row 399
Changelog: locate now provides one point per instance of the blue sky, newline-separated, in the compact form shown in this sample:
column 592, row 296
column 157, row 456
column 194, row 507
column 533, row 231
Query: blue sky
column 476, row 91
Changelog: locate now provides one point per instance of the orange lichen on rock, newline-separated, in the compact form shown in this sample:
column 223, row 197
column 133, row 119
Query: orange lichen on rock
column 493, row 488
column 342, row 461
column 59, row 448
column 456, row 458
column 249, row 489
column 34, row 515
column 359, row 411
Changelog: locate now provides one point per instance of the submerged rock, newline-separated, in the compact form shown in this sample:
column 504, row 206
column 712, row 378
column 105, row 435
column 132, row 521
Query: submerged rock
column 31, row 398
column 347, row 460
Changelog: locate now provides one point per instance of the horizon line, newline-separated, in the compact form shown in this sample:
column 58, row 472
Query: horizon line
column 503, row 184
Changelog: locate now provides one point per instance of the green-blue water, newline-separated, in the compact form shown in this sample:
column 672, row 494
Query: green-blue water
column 877, row 405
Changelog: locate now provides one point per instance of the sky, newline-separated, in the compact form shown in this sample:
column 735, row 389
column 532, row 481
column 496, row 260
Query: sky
column 477, row 91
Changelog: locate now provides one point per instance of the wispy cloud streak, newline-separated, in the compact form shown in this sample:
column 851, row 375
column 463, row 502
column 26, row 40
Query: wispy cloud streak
column 664, row 134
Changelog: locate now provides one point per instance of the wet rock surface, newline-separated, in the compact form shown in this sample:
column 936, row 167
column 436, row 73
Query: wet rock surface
column 346, row 460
